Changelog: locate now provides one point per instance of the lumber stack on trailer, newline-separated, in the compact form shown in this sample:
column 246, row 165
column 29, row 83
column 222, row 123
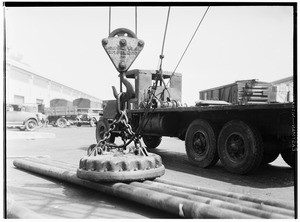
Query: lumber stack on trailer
column 240, row 92
column 182, row 200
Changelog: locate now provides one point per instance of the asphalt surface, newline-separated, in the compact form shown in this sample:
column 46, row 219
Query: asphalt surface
column 51, row 198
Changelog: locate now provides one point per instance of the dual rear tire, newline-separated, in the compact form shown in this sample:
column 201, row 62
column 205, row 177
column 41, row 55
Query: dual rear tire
column 238, row 146
column 200, row 143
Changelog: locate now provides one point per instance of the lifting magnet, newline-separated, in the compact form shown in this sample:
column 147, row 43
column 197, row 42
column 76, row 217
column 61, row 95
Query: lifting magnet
column 119, row 166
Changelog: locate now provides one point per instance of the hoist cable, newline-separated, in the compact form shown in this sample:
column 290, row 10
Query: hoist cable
column 188, row 44
column 159, row 73
column 165, row 34
column 109, row 19
column 164, row 39
column 136, row 20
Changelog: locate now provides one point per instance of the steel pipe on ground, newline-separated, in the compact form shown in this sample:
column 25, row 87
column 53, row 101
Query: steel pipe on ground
column 150, row 193
column 213, row 202
column 213, row 194
column 238, row 196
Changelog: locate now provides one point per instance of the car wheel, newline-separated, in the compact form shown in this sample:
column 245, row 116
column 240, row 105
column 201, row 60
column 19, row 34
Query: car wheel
column 31, row 124
column 152, row 142
column 201, row 143
column 93, row 122
column 61, row 122
column 240, row 147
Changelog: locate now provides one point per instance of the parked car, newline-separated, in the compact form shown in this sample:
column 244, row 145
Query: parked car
column 18, row 117
column 89, row 116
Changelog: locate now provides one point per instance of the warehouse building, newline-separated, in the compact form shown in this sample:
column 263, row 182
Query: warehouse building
column 284, row 90
column 24, row 85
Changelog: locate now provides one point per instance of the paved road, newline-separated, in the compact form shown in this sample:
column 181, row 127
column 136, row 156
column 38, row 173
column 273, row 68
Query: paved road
column 53, row 199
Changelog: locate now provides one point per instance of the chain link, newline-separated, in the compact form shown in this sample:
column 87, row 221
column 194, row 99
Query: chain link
column 127, row 134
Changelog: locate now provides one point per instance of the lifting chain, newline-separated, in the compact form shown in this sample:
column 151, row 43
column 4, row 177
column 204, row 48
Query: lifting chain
column 127, row 136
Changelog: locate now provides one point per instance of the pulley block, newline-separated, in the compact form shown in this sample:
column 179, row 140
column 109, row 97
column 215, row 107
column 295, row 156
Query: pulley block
column 119, row 166
column 122, row 47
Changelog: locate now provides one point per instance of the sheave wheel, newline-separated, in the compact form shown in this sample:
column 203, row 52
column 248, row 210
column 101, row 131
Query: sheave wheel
column 61, row 122
column 31, row 124
column 240, row 147
column 201, row 143
column 152, row 142
column 101, row 128
column 289, row 156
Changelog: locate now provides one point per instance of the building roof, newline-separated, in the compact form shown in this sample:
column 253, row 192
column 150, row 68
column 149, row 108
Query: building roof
column 287, row 79
column 39, row 75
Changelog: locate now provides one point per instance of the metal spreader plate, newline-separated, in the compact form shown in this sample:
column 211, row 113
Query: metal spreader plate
column 122, row 50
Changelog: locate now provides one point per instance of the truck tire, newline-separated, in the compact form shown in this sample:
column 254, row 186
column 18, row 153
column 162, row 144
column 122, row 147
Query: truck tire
column 152, row 142
column 61, row 122
column 240, row 147
column 31, row 124
column 289, row 156
column 201, row 143
column 102, row 127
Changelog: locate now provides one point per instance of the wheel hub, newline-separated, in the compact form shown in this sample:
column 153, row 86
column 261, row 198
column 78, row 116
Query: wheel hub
column 235, row 147
column 31, row 125
column 199, row 143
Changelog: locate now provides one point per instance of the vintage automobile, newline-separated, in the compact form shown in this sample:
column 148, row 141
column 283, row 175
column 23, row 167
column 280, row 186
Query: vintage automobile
column 18, row 117
column 88, row 116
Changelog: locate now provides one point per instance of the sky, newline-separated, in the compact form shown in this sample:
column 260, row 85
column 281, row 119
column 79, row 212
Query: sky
column 232, row 43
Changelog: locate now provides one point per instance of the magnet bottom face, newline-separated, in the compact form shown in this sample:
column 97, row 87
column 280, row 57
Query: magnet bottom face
column 120, row 167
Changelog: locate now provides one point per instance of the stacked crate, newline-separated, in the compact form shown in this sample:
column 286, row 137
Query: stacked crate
column 240, row 92
column 255, row 92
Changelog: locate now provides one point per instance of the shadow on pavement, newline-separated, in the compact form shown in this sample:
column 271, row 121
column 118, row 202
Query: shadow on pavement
column 267, row 176
column 55, row 199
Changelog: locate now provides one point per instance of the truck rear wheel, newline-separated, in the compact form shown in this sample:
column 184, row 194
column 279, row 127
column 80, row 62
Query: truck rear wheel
column 152, row 142
column 240, row 147
column 102, row 127
column 289, row 157
column 201, row 143
column 61, row 122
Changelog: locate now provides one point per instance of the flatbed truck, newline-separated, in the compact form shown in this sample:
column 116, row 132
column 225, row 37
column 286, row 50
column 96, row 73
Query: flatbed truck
column 242, row 136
